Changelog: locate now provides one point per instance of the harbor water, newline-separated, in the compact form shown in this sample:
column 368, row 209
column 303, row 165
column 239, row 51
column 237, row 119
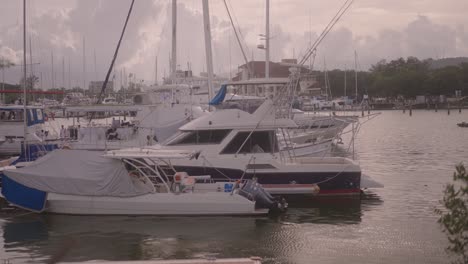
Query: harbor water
column 414, row 157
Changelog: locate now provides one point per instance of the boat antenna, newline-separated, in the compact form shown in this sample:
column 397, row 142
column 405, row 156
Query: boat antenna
column 238, row 40
column 104, row 85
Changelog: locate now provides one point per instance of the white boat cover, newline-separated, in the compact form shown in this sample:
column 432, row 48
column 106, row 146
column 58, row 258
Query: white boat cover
column 78, row 172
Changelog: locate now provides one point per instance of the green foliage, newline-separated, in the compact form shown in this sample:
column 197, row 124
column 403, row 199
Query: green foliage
column 31, row 82
column 454, row 219
column 5, row 63
column 406, row 77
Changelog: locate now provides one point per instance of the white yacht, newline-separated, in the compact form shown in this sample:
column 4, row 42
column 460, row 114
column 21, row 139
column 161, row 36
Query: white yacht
column 150, row 125
column 90, row 183
column 109, row 100
column 236, row 144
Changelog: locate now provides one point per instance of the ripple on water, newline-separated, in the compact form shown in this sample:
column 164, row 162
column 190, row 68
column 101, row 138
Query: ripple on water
column 413, row 157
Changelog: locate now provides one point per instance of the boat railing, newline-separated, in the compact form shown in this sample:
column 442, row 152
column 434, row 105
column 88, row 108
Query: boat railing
column 151, row 174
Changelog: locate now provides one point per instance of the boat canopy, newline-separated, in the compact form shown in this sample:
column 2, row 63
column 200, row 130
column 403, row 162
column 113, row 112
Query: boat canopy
column 78, row 172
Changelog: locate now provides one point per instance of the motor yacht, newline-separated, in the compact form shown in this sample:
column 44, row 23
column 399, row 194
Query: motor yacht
column 234, row 144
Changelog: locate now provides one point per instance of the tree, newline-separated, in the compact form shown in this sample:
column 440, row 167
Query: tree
column 31, row 82
column 454, row 219
column 5, row 63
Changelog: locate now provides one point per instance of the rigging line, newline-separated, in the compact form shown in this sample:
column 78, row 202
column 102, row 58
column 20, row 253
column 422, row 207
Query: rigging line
column 113, row 59
column 214, row 167
column 238, row 40
column 238, row 26
column 327, row 29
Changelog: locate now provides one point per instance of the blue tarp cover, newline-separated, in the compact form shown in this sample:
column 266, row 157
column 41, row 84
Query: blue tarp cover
column 219, row 97
column 22, row 196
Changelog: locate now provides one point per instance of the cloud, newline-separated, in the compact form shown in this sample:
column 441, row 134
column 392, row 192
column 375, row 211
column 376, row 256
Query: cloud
column 376, row 29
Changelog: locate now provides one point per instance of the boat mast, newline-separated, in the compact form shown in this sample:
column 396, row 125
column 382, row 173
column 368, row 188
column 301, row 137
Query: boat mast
column 174, row 41
column 95, row 66
column 345, row 81
column 355, row 74
column 209, row 56
column 84, row 63
column 25, row 124
column 267, row 40
column 69, row 74
column 156, row 71
column 32, row 69
column 63, row 72
column 53, row 73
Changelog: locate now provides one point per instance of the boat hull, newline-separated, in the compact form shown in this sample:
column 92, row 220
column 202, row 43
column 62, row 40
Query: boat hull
column 163, row 204
column 339, row 182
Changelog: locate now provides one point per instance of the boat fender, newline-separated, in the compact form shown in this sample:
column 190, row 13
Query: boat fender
column 315, row 189
column 178, row 180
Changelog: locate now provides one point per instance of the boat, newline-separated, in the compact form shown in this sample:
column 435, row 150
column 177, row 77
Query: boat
column 12, row 128
column 93, row 183
column 462, row 124
column 109, row 100
column 236, row 144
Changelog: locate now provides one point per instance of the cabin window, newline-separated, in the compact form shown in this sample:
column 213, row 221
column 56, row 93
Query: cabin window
column 200, row 137
column 4, row 115
column 11, row 115
column 258, row 142
column 39, row 115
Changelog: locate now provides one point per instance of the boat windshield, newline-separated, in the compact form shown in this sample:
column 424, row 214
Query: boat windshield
column 199, row 137
column 254, row 142
column 11, row 115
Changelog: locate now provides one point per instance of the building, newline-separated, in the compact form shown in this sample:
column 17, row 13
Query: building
column 277, row 69
column 255, row 83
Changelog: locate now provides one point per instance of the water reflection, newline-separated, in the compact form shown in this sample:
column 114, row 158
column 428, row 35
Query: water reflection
column 127, row 238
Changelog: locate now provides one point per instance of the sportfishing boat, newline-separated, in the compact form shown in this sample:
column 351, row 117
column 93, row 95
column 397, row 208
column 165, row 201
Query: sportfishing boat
column 111, row 184
column 236, row 144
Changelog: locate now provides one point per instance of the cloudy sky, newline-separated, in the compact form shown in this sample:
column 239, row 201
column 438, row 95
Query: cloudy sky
column 376, row 29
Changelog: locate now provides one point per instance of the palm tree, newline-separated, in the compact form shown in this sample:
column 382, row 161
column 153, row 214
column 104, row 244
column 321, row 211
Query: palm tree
column 4, row 64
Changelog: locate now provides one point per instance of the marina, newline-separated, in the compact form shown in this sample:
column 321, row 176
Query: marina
column 396, row 223
column 286, row 159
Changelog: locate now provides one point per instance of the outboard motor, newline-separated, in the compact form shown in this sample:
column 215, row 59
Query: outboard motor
column 254, row 191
